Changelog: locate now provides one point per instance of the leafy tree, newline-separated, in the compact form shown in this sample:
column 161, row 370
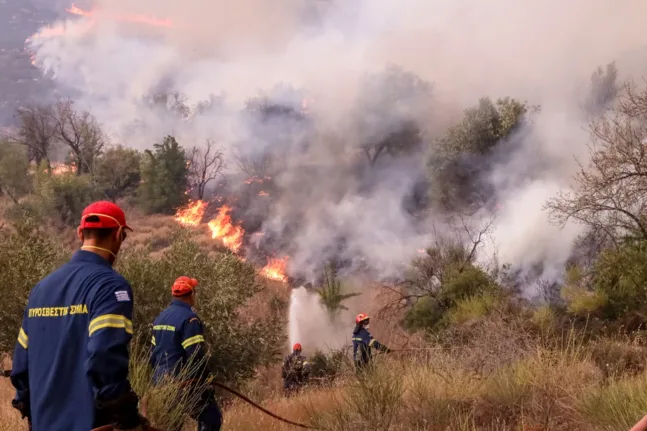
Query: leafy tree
column 460, row 156
column 238, row 343
column 330, row 294
column 164, row 178
column 387, row 112
column 26, row 256
column 117, row 172
column 609, row 192
column 15, row 181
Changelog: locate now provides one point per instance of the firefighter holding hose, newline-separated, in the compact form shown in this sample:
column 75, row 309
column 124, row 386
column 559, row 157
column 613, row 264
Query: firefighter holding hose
column 70, row 363
column 363, row 342
column 179, row 349
column 295, row 371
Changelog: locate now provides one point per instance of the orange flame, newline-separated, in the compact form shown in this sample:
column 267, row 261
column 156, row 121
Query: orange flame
column 62, row 168
column 262, row 193
column 421, row 250
column 275, row 269
column 143, row 19
column 222, row 228
column 191, row 214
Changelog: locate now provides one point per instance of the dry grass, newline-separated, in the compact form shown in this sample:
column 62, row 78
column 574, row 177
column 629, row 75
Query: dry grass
column 9, row 417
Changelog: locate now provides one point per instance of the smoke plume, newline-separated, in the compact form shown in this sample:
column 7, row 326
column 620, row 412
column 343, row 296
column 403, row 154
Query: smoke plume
column 327, row 199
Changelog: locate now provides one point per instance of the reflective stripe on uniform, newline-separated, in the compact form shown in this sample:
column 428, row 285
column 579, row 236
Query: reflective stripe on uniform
column 110, row 321
column 163, row 328
column 23, row 339
column 153, row 341
column 193, row 340
column 357, row 339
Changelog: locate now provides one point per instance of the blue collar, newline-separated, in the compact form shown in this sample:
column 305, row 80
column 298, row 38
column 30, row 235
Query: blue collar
column 88, row 256
column 180, row 304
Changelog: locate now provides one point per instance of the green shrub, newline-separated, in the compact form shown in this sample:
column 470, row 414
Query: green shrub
column 57, row 198
column 26, row 256
column 238, row 344
column 473, row 308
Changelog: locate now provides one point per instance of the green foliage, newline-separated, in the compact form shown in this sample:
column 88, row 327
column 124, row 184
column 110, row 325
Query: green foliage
column 117, row 172
column 26, row 256
column 462, row 152
column 66, row 195
column 14, row 171
column 330, row 294
column 324, row 368
column 164, row 175
column 446, row 285
column 57, row 198
column 614, row 289
column 473, row 308
column 238, row 343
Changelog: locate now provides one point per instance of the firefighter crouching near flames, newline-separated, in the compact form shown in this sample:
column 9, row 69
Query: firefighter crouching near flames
column 70, row 364
column 363, row 342
column 295, row 371
column 178, row 342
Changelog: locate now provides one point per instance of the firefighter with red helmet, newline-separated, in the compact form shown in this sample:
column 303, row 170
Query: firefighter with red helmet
column 295, row 371
column 70, row 364
column 179, row 349
column 363, row 342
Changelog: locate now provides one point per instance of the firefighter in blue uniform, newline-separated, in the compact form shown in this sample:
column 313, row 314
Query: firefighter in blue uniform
column 363, row 342
column 70, row 364
column 178, row 346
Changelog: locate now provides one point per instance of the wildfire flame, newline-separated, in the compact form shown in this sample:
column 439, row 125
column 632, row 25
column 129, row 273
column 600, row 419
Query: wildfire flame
column 49, row 32
column 62, row 168
column 221, row 227
column 275, row 269
column 191, row 214
column 143, row 19
column 263, row 193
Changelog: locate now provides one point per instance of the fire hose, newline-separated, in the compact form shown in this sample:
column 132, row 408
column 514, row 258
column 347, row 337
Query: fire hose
column 7, row 373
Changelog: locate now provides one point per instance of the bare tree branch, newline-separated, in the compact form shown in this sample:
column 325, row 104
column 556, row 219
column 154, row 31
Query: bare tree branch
column 205, row 165
column 610, row 194
column 35, row 132
column 80, row 132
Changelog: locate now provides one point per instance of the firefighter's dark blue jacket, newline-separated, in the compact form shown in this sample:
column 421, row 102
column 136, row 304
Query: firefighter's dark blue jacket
column 363, row 343
column 73, row 344
column 177, row 337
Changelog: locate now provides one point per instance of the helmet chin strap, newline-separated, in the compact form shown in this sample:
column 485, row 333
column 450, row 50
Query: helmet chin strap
column 93, row 247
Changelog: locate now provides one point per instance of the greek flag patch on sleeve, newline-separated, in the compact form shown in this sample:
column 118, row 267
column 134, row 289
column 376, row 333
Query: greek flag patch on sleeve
column 122, row 296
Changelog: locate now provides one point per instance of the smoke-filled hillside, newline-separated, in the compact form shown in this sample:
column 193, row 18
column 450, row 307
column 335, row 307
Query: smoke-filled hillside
column 345, row 106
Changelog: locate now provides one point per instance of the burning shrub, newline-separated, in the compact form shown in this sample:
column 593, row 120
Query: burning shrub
column 238, row 346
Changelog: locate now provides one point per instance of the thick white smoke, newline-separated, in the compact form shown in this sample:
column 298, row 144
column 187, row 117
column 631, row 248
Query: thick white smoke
column 541, row 51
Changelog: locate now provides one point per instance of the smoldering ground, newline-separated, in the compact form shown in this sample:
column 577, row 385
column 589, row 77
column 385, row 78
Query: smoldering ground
column 325, row 189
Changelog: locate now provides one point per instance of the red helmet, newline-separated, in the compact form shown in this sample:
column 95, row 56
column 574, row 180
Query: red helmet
column 361, row 317
column 297, row 346
column 183, row 285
